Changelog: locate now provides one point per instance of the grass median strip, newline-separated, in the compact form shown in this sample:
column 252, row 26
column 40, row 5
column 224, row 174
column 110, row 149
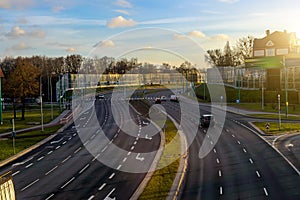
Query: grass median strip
column 274, row 128
column 161, row 182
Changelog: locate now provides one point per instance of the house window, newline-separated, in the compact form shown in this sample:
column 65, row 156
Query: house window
column 270, row 52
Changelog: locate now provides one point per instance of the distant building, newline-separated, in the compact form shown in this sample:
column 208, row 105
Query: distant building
column 278, row 53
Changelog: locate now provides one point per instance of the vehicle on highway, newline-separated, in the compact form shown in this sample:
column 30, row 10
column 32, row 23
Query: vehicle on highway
column 207, row 120
column 157, row 100
column 100, row 96
column 163, row 98
column 174, row 98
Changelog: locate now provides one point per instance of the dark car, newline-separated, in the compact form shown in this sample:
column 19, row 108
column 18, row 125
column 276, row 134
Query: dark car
column 207, row 120
column 100, row 96
column 157, row 100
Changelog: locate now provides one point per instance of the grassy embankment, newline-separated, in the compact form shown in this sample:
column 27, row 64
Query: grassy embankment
column 25, row 140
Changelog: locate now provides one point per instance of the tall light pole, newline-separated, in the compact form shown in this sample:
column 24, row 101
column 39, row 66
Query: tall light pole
column 285, row 87
column 1, row 76
column 41, row 101
column 262, row 93
column 279, row 117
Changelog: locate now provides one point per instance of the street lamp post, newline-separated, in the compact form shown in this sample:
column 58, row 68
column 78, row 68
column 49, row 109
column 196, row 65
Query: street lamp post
column 279, row 117
column 41, row 101
column 1, row 106
column 262, row 94
column 285, row 88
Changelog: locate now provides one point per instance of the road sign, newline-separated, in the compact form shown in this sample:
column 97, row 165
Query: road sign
column 267, row 126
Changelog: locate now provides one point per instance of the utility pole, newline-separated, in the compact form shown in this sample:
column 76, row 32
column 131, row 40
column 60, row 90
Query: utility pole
column 279, row 117
column 41, row 101
column 285, row 87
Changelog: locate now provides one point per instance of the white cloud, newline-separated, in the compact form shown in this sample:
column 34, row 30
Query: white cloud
column 37, row 34
column 197, row 34
column 12, row 4
column 58, row 9
column 71, row 50
column 221, row 37
column 228, row 1
column 16, row 32
column 20, row 46
column 120, row 22
column 107, row 43
column 122, row 12
column 123, row 3
column 179, row 36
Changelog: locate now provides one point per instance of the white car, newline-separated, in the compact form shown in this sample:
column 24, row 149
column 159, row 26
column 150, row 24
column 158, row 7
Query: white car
column 163, row 98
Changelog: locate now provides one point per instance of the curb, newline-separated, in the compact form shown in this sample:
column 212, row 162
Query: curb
column 176, row 189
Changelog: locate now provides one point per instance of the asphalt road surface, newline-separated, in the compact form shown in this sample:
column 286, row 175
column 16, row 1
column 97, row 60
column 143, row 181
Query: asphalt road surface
column 63, row 168
column 241, row 165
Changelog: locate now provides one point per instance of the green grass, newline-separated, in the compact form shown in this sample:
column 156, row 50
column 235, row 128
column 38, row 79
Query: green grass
column 31, row 116
column 274, row 128
column 275, row 116
column 24, row 141
column 249, row 99
column 161, row 182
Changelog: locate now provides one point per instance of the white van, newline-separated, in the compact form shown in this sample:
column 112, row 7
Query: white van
column 174, row 98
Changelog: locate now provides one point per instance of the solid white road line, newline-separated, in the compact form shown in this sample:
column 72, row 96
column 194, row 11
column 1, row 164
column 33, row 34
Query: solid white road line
column 221, row 190
column 104, row 148
column 67, row 158
column 96, row 157
column 102, row 186
column 30, row 184
column 257, row 173
column 77, row 150
column 250, row 160
column 91, row 197
column 108, row 196
column 15, row 173
column 29, row 165
column 67, row 183
column 49, row 197
column 40, row 158
column 111, row 176
column 84, row 168
column 51, row 170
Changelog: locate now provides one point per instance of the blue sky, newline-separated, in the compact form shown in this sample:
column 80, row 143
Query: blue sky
column 61, row 27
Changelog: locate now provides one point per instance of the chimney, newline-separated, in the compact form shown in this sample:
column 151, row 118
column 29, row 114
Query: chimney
column 267, row 32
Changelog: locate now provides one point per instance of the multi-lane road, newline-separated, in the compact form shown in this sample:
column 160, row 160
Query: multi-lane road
column 240, row 164
column 63, row 168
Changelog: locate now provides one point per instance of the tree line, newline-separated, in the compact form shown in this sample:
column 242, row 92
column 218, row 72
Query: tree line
column 28, row 77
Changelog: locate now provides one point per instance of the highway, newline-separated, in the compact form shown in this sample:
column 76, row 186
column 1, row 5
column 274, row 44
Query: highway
column 241, row 165
column 63, row 168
